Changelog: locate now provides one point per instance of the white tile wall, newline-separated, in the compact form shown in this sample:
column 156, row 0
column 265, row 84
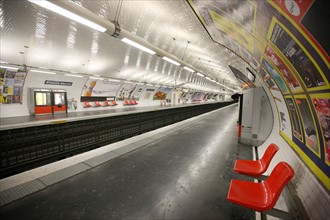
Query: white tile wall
column 314, row 197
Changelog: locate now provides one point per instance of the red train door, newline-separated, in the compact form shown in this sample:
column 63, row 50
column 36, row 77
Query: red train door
column 43, row 102
column 59, row 101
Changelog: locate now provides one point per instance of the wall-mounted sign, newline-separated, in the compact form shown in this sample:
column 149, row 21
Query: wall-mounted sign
column 58, row 83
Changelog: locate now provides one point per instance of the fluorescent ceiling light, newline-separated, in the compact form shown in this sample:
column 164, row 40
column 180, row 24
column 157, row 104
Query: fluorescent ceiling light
column 208, row 78
column 68, row 14
column 39, row 71
column 139, row 46
column 73, row 75
column 113, row 80
column 187, row 68
column 3, row 62
column 200, row 74
column 9, row 67
column 171, row 61
column 100, row 78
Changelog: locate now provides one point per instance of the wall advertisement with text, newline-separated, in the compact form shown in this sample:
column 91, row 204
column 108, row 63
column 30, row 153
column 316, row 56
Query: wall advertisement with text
column 290, row 52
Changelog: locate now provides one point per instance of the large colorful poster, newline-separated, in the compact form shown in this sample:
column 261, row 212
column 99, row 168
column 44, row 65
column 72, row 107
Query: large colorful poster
column 275, row 76
column 197, row 97
column 162, row 93
column 309, row 128
column 100, row 88
column 218, row 19
column 286, row 38
column 322, row 107
column 289, row 78
column 125, row 91
column 137, row 92
column 149, row 91
column 297, row 132
column 297, row 56
column 11, row 86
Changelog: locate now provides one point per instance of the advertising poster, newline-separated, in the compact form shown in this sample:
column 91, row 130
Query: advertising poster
column 268, row 79
column 125, row 91
column 161, row 93
column 189, row 95
column 282, row 86
column 148, row 93
column 197, row 97
column 101, row 88
column 206, row 96
column 284, row 118
column 307, row 15
column 295, row 9
column 11, row 86
column 223, row 25
column 321, row 104
column 297, row 56
column 296, row 127
column 309, row 128
column 289, row 78
column 288, row 44
column 137, row 92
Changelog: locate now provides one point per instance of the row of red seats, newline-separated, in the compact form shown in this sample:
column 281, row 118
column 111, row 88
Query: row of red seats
column 99, row 104
column 130, row 102
column 260, row 196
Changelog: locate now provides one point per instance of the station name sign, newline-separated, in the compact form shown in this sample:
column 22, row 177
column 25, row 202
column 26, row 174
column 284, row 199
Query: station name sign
column 59, row 83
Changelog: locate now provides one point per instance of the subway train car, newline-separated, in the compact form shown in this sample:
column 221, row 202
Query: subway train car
column 184, row 109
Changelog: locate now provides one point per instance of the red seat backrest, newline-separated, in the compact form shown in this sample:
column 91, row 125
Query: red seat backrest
column 87, row 104
column 279, row 177
column 114, row 102
column 268, row 155
column 127, row 102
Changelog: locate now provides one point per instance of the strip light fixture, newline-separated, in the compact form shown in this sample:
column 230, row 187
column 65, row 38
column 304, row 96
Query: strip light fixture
column 208, row 78
column 99, row 78
column 73, row 75
column 39, row 71
column 50, row 6
column 171, row 61
column 187, row 68
column 199, row 74
column 139, row 46
column 9, row 67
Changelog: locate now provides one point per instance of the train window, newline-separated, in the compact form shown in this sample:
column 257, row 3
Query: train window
column 42, row 98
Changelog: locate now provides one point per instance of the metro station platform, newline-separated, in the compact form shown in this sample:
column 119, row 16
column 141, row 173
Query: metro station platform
column 181, row 171
column 37, row 120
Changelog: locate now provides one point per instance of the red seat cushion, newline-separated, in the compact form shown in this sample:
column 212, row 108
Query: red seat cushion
column 249, row 194
column 261, row 196
column 258, row 167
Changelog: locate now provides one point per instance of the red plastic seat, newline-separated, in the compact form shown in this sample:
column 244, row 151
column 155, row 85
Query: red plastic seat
column 87, row 104
column 114, row 103
column 261, row 196
column 256, row 167
column 127, row 102
column 135, row 102
column 106, row 103
column 131, row 102
column 98, row 104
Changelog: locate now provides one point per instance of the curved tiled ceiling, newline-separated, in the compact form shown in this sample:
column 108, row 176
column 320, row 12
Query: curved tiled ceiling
column 56, row 42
